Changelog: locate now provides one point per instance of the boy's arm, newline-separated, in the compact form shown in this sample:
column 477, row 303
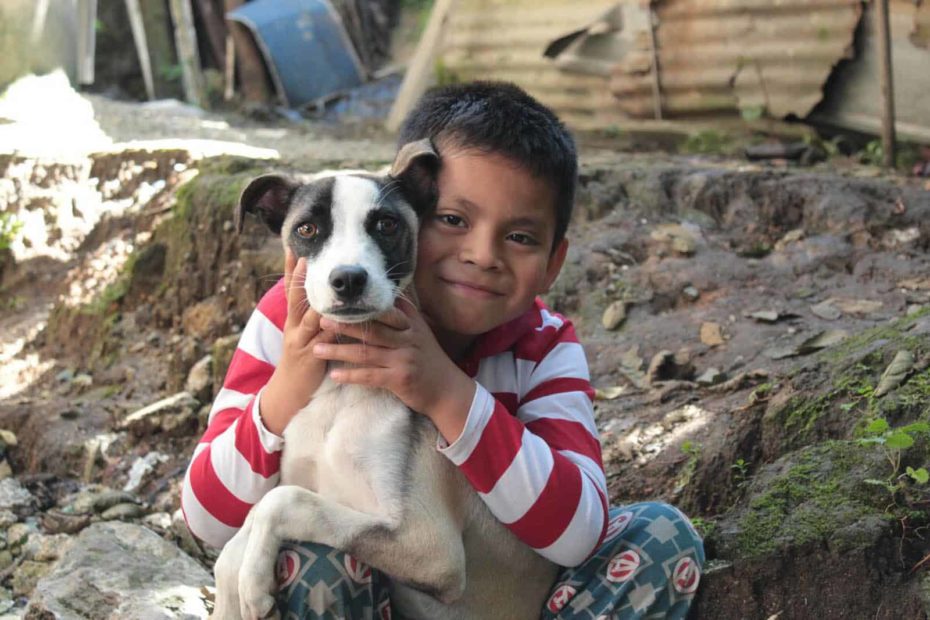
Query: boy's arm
column 539, row 471
column 237, row 460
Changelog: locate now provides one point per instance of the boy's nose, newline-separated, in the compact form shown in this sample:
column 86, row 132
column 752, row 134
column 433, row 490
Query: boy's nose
column 482, row 253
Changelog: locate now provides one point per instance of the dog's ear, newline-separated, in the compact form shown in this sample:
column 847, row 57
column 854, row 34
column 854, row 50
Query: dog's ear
column 268, row 196
column 415, row 168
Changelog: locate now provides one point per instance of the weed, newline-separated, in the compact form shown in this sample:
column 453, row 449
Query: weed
column 893, row 442
column 10, row 226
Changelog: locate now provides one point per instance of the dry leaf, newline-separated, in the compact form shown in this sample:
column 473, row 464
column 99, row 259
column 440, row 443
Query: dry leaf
column 897, row 370
column 614, row 315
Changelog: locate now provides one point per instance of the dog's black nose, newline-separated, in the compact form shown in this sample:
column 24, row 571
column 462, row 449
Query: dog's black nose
column 348, row 281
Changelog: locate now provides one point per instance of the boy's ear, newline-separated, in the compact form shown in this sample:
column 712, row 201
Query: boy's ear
column 268, row 196
column 416, row 168
column 556, row 260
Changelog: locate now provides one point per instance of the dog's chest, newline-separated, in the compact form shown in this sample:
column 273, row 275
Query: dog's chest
column 348, row 444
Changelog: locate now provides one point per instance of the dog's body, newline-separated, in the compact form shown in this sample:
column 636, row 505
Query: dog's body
column 360, row 472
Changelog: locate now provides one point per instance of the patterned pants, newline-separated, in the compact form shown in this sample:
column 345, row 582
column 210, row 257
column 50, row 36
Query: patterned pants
column 648, row 566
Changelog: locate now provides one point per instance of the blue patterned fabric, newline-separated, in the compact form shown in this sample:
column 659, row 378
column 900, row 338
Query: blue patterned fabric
column 649, row 566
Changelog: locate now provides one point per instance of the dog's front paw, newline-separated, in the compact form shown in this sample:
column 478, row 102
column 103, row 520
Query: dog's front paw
column 256, row 598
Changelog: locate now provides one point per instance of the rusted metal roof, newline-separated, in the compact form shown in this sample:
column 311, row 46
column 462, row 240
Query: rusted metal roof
column 505, row 39
column 719, row 56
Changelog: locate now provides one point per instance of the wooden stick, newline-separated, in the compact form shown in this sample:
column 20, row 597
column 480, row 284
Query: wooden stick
column 185, row 37
column 253, row 80
column 882, row 25
column 230, row 69
column 86, row 40
column 656, row 80
column 137, row 24
column 419, row 74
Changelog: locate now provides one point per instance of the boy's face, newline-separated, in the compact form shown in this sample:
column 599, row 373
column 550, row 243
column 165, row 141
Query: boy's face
column 487, row 251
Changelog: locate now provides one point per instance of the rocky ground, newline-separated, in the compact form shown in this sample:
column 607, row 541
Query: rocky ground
column 759, row 335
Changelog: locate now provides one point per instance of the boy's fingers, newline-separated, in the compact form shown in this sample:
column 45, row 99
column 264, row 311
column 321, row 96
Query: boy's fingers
column 296, row 295
column 373, row 333
column 363, row 354
column 372, row 377
column 395, row 319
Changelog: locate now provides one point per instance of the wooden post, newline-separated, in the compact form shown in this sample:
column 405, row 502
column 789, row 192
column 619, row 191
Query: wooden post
column 883, row 26
column 137, row 24
column 419, row 74
column 185, row 37
column 86, row 40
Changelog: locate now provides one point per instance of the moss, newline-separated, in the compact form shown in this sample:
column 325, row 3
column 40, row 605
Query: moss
column 811, row 499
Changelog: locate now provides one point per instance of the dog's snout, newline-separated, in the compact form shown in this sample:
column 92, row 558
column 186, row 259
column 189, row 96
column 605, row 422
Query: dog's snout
column 348, row 281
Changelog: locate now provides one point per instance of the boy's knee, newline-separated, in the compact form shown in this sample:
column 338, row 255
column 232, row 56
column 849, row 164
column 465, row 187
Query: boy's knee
column 655, row 521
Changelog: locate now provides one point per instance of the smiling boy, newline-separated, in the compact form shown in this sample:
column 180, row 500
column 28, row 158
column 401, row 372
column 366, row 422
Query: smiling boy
column 503, row 378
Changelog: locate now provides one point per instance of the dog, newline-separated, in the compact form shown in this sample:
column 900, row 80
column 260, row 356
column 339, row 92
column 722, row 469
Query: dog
column 360, row 471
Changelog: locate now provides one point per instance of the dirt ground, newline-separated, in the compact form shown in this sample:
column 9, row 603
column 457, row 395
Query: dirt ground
column 704, row 289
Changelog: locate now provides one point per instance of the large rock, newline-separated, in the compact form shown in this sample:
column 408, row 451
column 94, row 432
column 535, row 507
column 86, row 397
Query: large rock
column 122, row 570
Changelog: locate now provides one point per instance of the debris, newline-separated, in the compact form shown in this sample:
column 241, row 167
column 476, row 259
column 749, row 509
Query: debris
column 681, row 240
column 743, row 379
column 857, row 306
column 815, row 343
column 668, row 366
column 771, row 316
column 712, row 334
column 614, row 315
column 142, row 466
column 711, row 376
column 790, row 237
column 896, row 372
column 825, row 310
column 631, row 365
column 609, row 393
column 165, row 415
column 691, row 293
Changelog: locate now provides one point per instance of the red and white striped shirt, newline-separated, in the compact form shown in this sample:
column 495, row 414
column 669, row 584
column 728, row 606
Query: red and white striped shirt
column 529, row 446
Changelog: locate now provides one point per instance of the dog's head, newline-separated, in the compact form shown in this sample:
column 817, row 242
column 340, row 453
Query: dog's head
column 358, row 231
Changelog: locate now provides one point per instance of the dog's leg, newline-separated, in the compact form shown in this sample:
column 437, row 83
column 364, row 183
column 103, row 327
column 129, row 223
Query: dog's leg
column 226, row 571
column 419, row 549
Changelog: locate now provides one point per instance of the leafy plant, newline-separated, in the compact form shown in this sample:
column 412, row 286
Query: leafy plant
column 10, row 226
column 893, row 442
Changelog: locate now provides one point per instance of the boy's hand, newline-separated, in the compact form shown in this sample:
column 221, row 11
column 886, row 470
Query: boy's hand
column 299, row 372
column 399, row 352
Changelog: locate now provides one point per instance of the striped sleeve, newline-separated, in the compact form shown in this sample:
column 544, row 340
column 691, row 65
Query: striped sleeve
column 540, row 471
column 237, row 460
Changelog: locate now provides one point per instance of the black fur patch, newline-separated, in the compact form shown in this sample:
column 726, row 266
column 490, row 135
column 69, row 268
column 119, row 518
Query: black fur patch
column 315, row 203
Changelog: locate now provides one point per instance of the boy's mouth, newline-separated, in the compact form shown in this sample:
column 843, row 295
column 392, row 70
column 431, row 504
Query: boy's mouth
column 471, row 287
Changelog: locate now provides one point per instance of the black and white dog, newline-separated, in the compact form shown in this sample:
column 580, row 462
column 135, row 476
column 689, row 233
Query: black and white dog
column 360, row 472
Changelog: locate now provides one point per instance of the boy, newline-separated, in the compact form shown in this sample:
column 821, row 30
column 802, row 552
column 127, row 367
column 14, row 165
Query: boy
column 503, row 379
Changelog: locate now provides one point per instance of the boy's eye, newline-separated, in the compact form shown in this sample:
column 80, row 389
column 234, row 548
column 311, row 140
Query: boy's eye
column 522, row 238
column 386, row 226
column 451, row 220
column 307, row 231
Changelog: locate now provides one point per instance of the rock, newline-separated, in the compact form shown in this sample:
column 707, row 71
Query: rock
column 614, row 315
column 222, row 352
column 122, row 512
column 13, row 496
column 122, row 570
column 711, row 334
column 27, row 574
column 166, row 415
column 826, row 310
column 46, row 548
column 691, row 293
column 200, row 379
column 8, row 439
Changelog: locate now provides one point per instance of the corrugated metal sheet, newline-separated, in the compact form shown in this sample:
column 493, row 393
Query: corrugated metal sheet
column 505, row 39
column 723, row 56
column 854, row 100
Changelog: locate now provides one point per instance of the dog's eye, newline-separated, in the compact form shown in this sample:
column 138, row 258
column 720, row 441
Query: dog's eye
column 307, row 231
column 387, row 225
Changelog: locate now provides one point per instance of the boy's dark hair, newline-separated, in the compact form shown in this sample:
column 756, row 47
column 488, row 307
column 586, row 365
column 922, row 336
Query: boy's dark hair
column 499, row 117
